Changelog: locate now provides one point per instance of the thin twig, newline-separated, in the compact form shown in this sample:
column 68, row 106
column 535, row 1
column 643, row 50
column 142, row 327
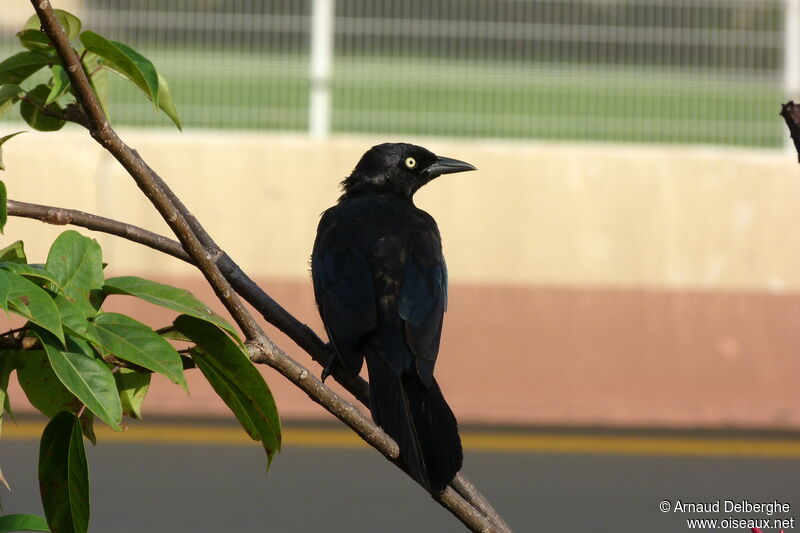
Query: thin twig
column 43, row 108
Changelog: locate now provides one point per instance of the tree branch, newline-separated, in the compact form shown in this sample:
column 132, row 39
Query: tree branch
column 273, row 312
column 205, row 255
column 300, row 333
column 60, row 216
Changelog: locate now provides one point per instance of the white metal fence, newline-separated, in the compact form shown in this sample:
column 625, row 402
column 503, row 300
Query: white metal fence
column 686, row 71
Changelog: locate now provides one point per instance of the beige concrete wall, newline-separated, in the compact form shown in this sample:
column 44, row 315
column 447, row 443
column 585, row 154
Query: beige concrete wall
column 13, row 13
column 534, row 213
column 598, row 285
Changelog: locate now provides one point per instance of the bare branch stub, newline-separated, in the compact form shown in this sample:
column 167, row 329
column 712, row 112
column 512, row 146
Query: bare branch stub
column 791, row 114
column 62, row 216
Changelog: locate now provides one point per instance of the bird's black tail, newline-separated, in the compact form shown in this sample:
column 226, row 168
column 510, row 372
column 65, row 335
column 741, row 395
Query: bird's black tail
column 419, row 420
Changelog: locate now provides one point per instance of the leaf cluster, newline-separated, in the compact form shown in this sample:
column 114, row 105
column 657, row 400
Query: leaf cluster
column 76, row 361
column 47, row 106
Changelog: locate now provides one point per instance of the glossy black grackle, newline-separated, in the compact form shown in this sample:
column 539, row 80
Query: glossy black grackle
column 380, row 283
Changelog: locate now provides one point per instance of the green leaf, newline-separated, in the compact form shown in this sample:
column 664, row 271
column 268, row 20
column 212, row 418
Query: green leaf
column 33, row 23
column 3, row 206
column 171, row 333
column 13, row 253
column 125, row 61
column 2, row 167
column 60, row 84
column 33, row 272
column 86, row 376
column 4, row 482
column 9, row 95
column 71, row 23
column 236, row 380
column 22, row 522
column 29, row 300
column 35, row 40
column 64, row 475
column 74, row 316
column 44, row 390
column 21, row 66
column 132, row 341
column 132, row 387
column 31, row 110
column 179, row 300
column 5, row 289
column 41, row 385
column 77, row 263
column 87, row 425
column 165, row 102
column 145, row 66
column 7, row 364
column 98, row 79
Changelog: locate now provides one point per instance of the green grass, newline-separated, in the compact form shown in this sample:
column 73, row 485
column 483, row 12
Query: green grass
column 459, row 98
column 595, row 106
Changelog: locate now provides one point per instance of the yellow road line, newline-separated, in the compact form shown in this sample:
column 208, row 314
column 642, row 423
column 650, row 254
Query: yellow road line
column 473, row 440
column 633, row 445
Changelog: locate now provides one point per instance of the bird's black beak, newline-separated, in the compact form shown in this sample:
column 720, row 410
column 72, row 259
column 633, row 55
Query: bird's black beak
column 446, row 165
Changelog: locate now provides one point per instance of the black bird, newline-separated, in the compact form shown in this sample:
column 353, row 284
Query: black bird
column 380, row 282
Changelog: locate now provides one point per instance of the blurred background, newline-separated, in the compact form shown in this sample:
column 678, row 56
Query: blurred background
column 625, row 262
column 678, row 71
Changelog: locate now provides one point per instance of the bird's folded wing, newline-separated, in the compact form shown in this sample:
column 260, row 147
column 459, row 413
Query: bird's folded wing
column 422, row 302
column 345, row 296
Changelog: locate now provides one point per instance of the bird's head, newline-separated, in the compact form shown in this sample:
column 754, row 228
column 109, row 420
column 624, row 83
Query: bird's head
column 399, row 169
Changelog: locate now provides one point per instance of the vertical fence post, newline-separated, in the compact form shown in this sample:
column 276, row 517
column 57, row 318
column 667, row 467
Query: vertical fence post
column 791, row 56
column 322, row 17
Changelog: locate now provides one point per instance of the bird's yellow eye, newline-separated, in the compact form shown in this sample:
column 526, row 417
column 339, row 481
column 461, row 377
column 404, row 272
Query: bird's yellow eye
column 411, row 162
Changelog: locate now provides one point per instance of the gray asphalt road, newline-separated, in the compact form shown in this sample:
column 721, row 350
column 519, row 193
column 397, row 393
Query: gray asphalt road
column 149, row 487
